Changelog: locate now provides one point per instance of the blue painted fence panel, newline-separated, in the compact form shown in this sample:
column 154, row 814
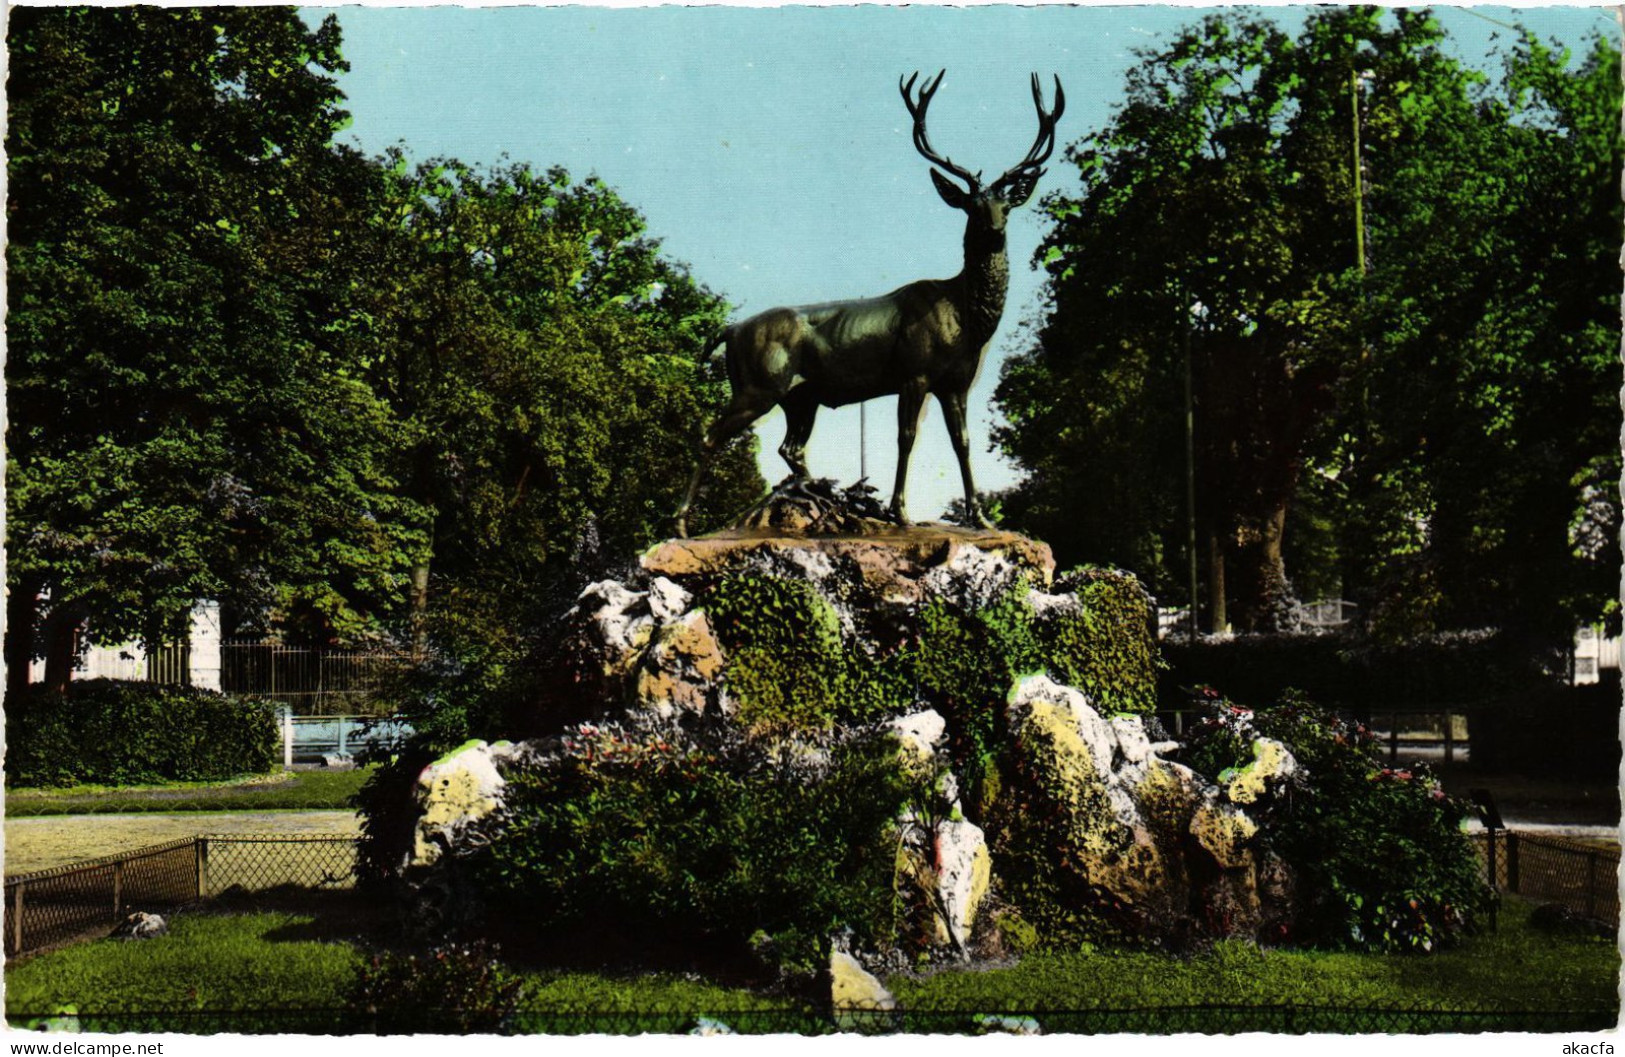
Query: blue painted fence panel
column 316, row 737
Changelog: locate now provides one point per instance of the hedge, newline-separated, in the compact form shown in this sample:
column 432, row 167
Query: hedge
column 113, row 732
column 1354, row 675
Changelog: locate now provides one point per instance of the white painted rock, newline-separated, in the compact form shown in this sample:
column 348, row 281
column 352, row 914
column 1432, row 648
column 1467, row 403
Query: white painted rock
column 921, row 732
column 667, row 601
column 619, row 622
column 461, row 787
column 963, row 870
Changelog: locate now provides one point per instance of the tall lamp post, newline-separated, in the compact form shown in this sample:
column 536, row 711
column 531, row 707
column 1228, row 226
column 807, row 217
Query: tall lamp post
column 1194, row 311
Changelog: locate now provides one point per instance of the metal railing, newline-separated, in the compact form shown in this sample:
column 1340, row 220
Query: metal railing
column 52, row 907
column 312, row 682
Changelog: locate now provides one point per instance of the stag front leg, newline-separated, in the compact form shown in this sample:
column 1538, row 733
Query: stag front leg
column 731, row 424
column 910, row 405
column 953, row 412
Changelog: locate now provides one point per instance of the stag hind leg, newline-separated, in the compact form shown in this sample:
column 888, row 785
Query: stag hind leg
column 799, row 411
column 734, row 420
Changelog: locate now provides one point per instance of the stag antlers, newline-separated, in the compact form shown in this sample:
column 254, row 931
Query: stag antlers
column 1028, row 170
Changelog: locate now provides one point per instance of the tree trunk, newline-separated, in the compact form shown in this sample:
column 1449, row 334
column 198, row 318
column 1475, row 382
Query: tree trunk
column 61, row 649
column 1218, row 615
column 419, row 615
column 1264, row 600
column 22, row 614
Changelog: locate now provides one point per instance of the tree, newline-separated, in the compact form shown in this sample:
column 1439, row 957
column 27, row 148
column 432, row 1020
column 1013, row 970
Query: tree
column 181, row 426
column 1494, row 446
column 1218, row 227
column 547, row 358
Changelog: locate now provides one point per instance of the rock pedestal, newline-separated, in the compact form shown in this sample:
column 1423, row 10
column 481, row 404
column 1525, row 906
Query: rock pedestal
column 957, row 643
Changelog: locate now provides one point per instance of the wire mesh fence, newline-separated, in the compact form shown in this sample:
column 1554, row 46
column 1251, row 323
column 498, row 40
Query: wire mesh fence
column 52, row 907
column 815, row 1019
column 1543, row 869
column 260, row 862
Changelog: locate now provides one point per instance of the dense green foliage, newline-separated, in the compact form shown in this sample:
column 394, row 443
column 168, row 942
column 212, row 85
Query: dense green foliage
column 181, row 423
column 350, row 398
column 547, row 358
column 787, row 666
column 454, row 989
column 1421, row 423
column 1380, row 858
column 764, row 849
column 110, row 732
column 790, row 669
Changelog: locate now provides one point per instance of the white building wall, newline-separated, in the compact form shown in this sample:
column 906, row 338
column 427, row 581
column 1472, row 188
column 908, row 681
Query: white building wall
column 205, row 659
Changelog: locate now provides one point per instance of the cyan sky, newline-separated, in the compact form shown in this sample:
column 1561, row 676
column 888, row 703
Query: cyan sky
column 769, row 149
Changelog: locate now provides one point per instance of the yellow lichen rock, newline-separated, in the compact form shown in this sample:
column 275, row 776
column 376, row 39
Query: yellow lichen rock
column 1271, row 761
column 461, row 787
column 858, row 999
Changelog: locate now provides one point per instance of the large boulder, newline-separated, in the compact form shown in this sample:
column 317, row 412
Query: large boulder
column 1147, row 838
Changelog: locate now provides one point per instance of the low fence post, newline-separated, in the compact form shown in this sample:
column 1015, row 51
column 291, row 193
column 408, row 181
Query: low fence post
column 118, row 889
column 1512, row 861
column 203, row 867
column 198, row 863
column 17, row 918
column 287, row 737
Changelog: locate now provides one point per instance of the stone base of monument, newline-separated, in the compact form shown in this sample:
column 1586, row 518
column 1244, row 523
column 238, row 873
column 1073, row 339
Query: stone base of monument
column 1026, row 693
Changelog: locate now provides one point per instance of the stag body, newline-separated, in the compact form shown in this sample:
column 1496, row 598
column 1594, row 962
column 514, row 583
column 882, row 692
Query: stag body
column 925, row 338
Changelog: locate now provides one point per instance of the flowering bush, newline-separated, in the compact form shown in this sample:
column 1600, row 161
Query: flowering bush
column 1380, row 856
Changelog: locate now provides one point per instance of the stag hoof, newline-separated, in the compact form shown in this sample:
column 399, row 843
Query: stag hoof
column 681, row 527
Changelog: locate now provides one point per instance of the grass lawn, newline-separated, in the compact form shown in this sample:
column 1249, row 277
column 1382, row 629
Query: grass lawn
column 282, row 790
column 298, row 965
column 1514, row 968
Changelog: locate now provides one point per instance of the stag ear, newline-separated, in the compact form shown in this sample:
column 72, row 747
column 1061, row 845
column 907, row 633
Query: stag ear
column 951, row 192
column 1015, row 190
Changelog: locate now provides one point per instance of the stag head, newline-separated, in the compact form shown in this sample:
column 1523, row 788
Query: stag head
column 988, row 206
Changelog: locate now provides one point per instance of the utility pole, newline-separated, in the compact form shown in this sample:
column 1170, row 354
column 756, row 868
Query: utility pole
column 863, row 440
column 1359, row 177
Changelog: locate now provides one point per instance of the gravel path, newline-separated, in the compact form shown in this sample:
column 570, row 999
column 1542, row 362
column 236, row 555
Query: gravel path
column 40, row 843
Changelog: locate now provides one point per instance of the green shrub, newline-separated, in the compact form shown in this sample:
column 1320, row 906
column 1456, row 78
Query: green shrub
column 1381, row 860
column 772, row 848
column 112, row 732
column 455, row 989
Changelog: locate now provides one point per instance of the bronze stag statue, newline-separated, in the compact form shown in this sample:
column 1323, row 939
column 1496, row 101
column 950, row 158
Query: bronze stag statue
column 928, row 337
